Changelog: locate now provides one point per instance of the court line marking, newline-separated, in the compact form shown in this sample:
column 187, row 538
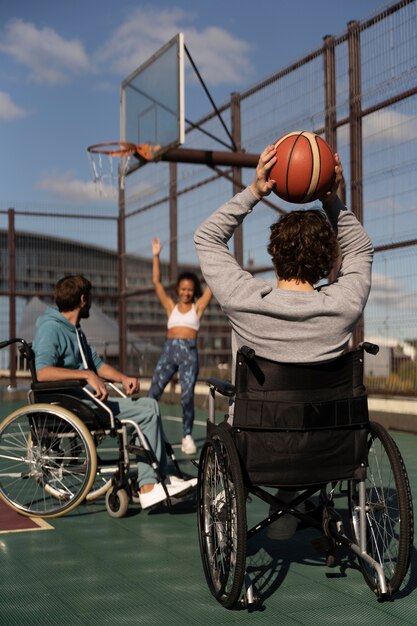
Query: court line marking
column 40, row 522
column 179, row 419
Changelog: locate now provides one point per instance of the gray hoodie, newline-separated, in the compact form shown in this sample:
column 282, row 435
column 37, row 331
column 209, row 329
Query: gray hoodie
column 283, row 325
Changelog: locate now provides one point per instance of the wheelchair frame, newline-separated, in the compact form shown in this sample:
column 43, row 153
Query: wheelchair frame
column 49, row 461
column 380, row 509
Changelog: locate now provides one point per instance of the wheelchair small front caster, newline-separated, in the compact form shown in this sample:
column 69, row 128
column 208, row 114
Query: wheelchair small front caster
column 250, row 600
column 117, row 502
column 251, row 603
column 133, row 490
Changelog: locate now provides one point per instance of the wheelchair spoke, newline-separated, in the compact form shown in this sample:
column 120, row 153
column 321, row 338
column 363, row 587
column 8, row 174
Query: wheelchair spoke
column 388, row 512
column 222, row 521
column 46, row 460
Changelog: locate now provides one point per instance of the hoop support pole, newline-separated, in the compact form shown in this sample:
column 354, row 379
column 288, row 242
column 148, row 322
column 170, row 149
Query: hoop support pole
column 210, row 157
column 148, row 152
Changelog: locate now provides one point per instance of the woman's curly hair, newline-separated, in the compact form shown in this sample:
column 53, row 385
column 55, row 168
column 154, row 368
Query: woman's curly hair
column 303, row 246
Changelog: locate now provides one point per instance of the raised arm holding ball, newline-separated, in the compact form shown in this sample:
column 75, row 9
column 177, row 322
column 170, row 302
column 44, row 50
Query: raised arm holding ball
column 293, row 321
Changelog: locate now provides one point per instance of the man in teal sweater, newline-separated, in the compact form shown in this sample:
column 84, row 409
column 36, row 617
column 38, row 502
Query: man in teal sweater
column 63, row 353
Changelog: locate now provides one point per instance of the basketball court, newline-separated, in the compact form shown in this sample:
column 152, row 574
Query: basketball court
column 146, row 569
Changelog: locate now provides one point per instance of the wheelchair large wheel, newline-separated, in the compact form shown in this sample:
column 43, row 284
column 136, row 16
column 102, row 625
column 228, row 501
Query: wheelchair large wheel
column 102, row 483
column 47, row 460
column 222, row 518
column 107, row 465
column 389, row 511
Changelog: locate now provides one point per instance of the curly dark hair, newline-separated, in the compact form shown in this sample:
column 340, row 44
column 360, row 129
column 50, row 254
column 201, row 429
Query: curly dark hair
column 191, row 276
column 303, row 246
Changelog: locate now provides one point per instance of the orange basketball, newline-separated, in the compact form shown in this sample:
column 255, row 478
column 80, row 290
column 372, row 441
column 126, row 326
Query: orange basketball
column 304, row 170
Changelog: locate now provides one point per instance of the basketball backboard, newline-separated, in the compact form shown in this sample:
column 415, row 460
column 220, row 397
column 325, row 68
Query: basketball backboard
column 152, row 101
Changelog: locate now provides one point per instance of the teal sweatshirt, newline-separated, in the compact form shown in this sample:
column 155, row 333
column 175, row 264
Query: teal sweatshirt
column 56, row 344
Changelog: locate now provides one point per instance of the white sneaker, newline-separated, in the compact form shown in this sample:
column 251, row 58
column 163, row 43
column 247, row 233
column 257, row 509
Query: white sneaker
column 284, row 527
column 157, row 494
column 188, row 446
column 181, row 487
column 176, row 480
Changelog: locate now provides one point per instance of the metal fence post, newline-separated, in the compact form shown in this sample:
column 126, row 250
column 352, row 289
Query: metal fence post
column 11, row 255
column 355, row 126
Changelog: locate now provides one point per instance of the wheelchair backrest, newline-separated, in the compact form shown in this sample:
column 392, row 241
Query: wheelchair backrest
column 293, row 396
column 65, row 393
column 300, row 424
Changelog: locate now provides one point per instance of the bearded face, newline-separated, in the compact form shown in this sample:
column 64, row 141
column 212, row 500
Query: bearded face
column 85, row 308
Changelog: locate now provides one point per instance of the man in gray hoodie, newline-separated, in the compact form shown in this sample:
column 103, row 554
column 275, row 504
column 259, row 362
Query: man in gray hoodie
column 63, row 353
column 292, row 322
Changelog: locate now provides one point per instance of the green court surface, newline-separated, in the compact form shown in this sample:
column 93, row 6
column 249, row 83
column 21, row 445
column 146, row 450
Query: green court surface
column 145, row 568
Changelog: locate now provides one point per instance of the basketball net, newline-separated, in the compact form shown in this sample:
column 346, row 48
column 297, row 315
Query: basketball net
column 109, row 164
column 108, row 173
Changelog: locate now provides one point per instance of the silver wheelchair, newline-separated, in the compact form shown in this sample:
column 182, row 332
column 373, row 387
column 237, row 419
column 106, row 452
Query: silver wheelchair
column 303, row 429
column 58, row 451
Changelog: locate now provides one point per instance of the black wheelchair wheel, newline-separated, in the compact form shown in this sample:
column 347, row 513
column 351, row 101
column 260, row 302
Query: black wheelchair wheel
column 47, row 460
column 389, row 511
column 222, row 518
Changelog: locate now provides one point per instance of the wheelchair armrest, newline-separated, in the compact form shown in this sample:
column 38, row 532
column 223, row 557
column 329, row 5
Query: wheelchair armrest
column 222, row 386
column 58, row 385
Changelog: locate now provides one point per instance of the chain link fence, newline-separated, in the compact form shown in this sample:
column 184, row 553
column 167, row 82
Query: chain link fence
column 359, row 90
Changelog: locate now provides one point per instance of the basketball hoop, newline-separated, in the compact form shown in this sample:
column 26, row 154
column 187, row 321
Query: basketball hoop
column 106, row 175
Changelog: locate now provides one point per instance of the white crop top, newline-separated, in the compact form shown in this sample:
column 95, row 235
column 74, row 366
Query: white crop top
column 189, row 319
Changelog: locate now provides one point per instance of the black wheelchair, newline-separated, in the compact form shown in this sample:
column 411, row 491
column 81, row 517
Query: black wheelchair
column 58, row 451
column 303, row 429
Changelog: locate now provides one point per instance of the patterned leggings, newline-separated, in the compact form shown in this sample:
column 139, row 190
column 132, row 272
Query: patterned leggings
column 178, row 355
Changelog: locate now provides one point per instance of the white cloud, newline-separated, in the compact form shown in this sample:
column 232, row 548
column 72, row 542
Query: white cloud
column 49, row 57
column 219, row 56
column 384, row 290
column 138, row 191
column 386, row 125
column 8, row 109
column 389, row 293
column 389, row 125
column 67, row 187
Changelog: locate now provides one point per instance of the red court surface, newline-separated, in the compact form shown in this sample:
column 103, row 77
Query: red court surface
column 13, row 522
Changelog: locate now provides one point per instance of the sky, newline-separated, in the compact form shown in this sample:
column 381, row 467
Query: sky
column 62, row 63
